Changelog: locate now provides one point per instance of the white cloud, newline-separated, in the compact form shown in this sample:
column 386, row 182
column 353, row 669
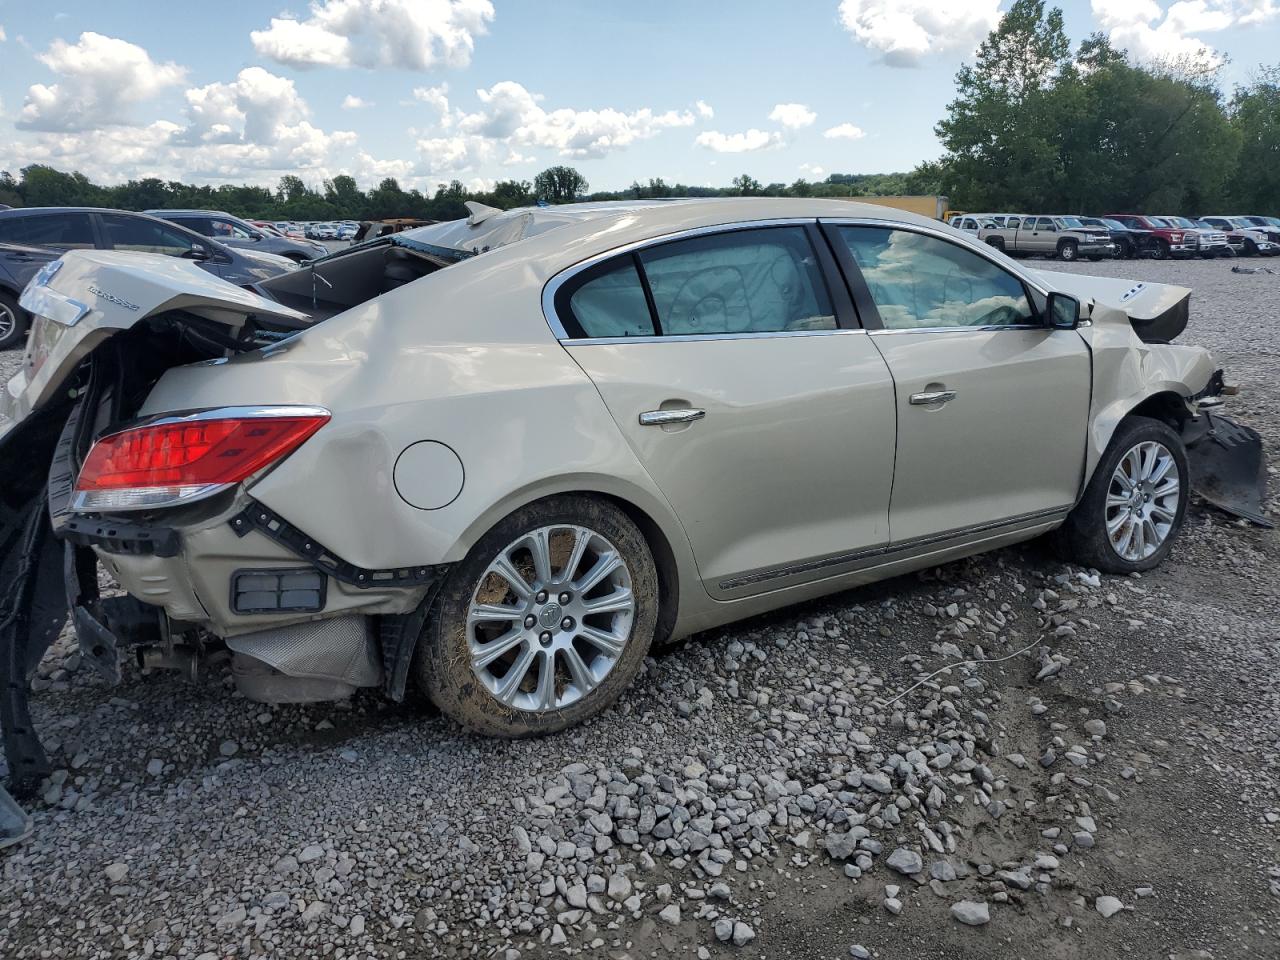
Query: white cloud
column 1151, row 32
column 746, row 142
column 436, row 97
column 3, row 37
column 99, row 80
column 704, row 110
column 512, row 113
column 793, row 116
column 352, row 102
column 812, row 170
column 378, row 34
column 844, row 131
column 904, row 32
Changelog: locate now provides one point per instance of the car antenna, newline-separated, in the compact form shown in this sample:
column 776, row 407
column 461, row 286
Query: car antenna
column 315, row 275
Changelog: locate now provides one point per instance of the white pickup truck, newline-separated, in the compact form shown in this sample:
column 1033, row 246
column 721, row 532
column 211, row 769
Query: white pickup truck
column 1049, row 236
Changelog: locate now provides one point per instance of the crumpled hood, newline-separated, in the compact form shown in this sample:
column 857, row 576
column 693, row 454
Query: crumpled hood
column 1140, row 299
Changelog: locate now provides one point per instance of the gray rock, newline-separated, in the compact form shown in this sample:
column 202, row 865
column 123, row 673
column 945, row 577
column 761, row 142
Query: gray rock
column 1108, row 906
column 971, row 912
column 906, row 861
column 942, row 870
column 116, row 872
column 670, row 914
column 742, row 934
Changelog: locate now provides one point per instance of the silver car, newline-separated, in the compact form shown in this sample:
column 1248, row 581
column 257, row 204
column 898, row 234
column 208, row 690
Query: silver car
column 500, row 458
column 235, row 232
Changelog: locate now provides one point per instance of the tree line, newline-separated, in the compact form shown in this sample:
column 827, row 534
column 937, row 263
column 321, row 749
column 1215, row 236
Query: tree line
column 342, row 199
column 1034, row 126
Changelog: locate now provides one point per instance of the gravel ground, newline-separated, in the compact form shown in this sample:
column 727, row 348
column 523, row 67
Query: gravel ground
column 761, row 792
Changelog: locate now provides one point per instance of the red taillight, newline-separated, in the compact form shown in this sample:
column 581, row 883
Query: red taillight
column 174, row 461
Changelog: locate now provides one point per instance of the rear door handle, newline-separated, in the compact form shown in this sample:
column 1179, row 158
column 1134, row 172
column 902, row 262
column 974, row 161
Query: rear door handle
column 658, row 418
column 933, row 396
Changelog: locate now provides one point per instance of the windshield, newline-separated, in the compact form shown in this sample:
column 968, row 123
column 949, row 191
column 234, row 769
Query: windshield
column 1240, row 223
column 1183, row 222
column 1114, row 224
column 1070, row 223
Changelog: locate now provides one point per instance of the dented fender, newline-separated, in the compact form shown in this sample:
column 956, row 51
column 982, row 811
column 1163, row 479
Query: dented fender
column 1127, row 371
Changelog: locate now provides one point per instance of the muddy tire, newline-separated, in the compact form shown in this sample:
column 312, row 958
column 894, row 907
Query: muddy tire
column 1068, row 250
column 511, row 659
column 1130, row 515
column 13, row 322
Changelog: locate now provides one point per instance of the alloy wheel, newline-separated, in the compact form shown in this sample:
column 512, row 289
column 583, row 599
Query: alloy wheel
column 550, row 617
column 1142, row 500
column 8, row 323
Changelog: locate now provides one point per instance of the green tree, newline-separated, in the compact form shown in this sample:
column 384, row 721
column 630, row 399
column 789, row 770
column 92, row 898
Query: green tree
column 746, row 185
column 559, row 184
column 1000, row 131
column 345, row 194
column 1254, row 184
column 510, row 193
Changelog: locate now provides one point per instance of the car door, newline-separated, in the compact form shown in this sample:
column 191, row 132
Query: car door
column 1044, row 236
column 993, row 406
column 738, row 375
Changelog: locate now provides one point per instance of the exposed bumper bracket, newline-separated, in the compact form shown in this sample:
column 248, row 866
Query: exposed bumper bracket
column 275, row 527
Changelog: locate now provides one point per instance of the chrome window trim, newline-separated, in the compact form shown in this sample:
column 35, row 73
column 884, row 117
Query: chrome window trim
column 696, row 337
column 553, row 285
column 962, row 329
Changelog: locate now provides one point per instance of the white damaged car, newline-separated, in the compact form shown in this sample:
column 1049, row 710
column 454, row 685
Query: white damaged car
column 498, row 459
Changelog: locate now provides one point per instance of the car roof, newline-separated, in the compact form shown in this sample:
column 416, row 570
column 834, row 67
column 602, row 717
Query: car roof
column 488, row 227
column 212, row 213
column 26, row 211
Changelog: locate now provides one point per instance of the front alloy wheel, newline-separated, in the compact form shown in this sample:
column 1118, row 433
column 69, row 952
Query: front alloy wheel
column 1142, row 501
column 1133, row 505
column 546, row 620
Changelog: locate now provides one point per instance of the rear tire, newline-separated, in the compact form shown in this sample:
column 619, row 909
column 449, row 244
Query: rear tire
column 13, row 322
column 552, row 662
column 1107, row 525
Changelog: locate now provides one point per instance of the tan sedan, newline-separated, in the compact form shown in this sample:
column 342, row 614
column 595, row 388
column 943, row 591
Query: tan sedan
column 504, row 456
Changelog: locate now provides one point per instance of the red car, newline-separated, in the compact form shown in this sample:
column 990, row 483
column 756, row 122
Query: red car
column 1167, row 241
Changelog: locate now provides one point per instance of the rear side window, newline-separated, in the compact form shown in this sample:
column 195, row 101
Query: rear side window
column 611, row 303
column 61, row 231
column 764, row 280
column 144, row 236
column 744, row 281
column 200, row 225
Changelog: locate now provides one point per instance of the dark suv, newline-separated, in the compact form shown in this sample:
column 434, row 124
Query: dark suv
column 235, row 232
column 32, row 236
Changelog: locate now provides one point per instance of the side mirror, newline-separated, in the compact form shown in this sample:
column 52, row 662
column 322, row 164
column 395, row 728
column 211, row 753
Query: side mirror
column 198, row 251
column 1063, row 311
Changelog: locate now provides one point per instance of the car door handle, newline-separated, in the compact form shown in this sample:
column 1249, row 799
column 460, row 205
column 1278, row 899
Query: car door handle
column 658, row 418
column 933, row 396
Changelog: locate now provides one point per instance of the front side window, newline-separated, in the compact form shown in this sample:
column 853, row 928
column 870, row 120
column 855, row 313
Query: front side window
column 919, row 281
column 744, row 281
column 1044, row 223
column 230, row 230
column 61, row 231
column 144, row 236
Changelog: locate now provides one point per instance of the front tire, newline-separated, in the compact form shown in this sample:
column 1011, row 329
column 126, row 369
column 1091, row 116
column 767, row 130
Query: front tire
column 545, row 622
column 1068, row 250
column 13, row 322
column 1135, row 502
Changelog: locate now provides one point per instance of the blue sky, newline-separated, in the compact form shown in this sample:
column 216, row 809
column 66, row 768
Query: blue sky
column 482, row 90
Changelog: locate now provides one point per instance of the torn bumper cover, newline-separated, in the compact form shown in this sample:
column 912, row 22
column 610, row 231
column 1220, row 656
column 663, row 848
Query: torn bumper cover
column 1227, row 465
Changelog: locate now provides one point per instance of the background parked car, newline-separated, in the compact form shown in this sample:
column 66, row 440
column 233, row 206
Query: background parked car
column 1244, row 237
column 1211, row 242
column 30, row 237
column 973, row 222
column 1049, row 236
column 235, row 232
column 1167, row 241
column 1268, row 225
column 1130, row 242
